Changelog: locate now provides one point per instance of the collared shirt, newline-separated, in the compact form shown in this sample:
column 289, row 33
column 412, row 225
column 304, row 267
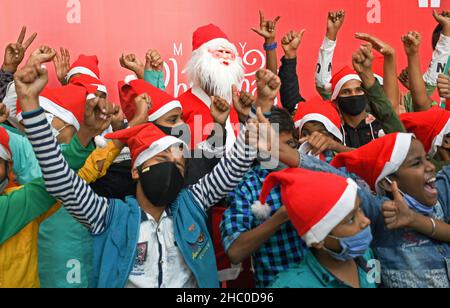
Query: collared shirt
column 159, row 263
column 311, row 274
column 284, row 249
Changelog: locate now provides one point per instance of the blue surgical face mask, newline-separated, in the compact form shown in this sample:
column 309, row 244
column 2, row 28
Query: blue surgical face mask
column 417, row 206
column 352, row 246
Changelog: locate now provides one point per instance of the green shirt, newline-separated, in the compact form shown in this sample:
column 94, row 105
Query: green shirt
column 311, row 274
column 381, row 108
column 22, row 206
column 155, row 78
column 65, row 246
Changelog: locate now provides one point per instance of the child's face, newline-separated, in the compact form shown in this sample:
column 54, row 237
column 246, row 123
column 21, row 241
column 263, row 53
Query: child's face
column 414, row 176
column 313, row 126
column 171, row 119
column 351, row 225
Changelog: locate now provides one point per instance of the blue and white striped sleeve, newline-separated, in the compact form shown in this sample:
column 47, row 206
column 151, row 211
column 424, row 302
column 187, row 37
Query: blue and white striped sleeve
column 61, row 182
column 224, row 178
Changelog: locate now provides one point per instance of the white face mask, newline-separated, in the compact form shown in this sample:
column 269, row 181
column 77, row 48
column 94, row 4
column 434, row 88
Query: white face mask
column 55, row 131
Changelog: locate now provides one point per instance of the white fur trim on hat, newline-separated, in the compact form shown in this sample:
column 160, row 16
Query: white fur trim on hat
column 219, row 42
column 163, row 110
column 81, row 70
column 129, row 79
column 4, row 154
column 439, row 139
column 261, row 211
column 156, row 148
column 101, row 88
column 322, row 119
column 341, row 209
column 379, row 78
column 341, row 83
column 100, row 142
column 59, row 112
column 401, row 149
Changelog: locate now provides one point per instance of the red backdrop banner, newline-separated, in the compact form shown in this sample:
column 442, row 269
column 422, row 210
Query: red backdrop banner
column 109, row 28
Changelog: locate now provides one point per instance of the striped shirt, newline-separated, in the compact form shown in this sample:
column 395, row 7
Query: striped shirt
column 92, row 210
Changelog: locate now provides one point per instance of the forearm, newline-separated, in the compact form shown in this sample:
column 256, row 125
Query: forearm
column 226, row 175
column 290, row 89
column 249, row 242
column 424, row 226
column 421, row 100
column 390, row 81
column 272, row 62
column 61, row 182
column 324, row 63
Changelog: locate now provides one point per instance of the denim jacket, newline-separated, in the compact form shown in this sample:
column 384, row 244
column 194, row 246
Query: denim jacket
column 407, row 258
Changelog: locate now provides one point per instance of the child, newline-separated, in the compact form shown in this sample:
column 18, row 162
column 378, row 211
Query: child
column 332, row 224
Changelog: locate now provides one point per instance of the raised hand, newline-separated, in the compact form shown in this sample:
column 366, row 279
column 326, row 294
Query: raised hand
column 363, row 59
column 380, row 46
column 29, row 82
column 242, row 103
column 62, row 65
column 153, row 61
column 4, row 113
column 404, row 78
column 220, row 110
column 443, row 85
column 261, row 135
column 15, row 52
column 444, row 20
column 41, row 55
column 290, row 43
column 132, row 63
column 268, row 85
column 143, row 104
column 267, row 28
column 98, row 115
column 396, row 213
column 411, row 43
column 335, row 21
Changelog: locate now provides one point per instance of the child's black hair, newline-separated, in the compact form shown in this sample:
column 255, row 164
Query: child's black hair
column 283, row 118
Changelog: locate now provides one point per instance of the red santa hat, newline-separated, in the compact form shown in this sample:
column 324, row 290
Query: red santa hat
column 313, row 213
column 89, row 83
column 377, row 159
column 86, row 65
column 318, row 110
column 66, row 103
column 340, row 78
column 132, row 87
column 210, row 35
column 145, row 141
column 5, row 150
column 430, row 127
column 378, row 67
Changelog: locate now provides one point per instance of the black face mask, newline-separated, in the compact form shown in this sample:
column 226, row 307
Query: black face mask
column 161, row 183
column 352, row 105
column 182, row 132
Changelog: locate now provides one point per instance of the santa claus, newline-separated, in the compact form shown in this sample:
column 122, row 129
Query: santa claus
column 214, row 68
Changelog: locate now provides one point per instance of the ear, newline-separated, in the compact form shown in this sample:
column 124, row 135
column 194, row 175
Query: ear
column 385, row 185
column 135, row 174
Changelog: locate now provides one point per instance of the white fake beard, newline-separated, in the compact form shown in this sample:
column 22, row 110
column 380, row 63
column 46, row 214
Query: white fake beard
column 214, row 77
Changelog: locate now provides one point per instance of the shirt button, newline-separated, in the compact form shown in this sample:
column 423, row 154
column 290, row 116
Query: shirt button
column 159, row 230
column 162, row 262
